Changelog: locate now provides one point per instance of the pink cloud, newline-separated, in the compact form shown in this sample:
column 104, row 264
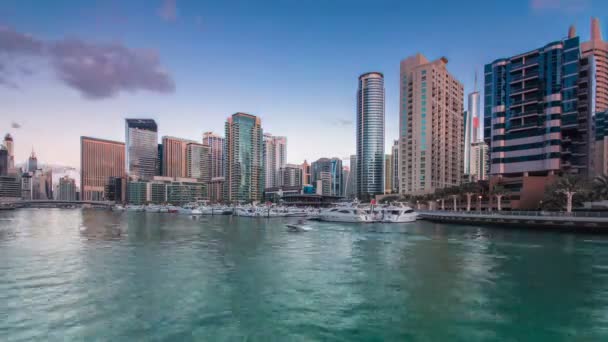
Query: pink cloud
column 95, row 70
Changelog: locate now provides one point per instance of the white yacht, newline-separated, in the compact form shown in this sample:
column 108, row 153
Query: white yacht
column 396, row 214
column 346, row 214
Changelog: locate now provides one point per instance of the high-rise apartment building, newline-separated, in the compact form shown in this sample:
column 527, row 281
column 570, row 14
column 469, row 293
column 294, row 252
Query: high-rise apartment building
column 275, row 156
column 244, row 158
column 99, row 161
column 370, row 135
column 395, row 167
column 197, row 162
column 216, row 153
column 479, row 162
column 141, row 137
column 32, row 162
column 352, row 184
column 306, row 173
column 175, row 156
column 388, row 176
column 594, row 72
column 471, row 129
column 431, row 126
column 4, row 160
column 10, row 148
column 329, row 171
column 290, row 175
column 66, row 189
column 537, row 121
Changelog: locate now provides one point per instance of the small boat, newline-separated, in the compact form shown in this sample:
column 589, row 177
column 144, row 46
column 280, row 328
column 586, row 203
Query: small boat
column 396, row 214
column 297, row 228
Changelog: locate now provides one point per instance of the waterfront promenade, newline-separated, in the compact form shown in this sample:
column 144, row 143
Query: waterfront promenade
column 596, row 222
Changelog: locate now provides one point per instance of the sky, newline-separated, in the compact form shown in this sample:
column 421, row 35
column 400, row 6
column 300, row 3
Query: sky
column 79, row 68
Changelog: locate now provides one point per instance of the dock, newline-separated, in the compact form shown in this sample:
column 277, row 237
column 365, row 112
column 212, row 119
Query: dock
column 593, row 222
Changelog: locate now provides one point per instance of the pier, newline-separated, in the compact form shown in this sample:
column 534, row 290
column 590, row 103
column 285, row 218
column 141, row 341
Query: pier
column 595, row 222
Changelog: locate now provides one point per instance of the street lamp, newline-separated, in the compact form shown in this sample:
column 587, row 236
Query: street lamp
column 479, row 201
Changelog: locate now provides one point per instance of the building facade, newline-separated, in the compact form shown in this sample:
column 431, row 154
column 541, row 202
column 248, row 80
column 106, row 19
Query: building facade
column 471, row 130
column 216, row 145
column 395, row 167
column 388, row 176
column 275, row 157
column 290, row 175
column 306, row 173
column 594, row 64
column 32, row 162
column 66, row 189
column 431, row 126
column 479, row 162
column 370, row 135
column 175, row 156
column 244, row 158
column 536, row 119
column 10, row 188
column 329, row 171
column 4, row 160
column 197, row 162
column 10, row 148
column 99, row 160
column 141, row 137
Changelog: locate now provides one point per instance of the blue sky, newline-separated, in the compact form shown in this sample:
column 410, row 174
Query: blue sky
column 293, row 63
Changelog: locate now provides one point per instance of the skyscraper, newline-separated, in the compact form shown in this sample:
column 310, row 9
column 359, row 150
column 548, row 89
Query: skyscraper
column 66, row 189
column 290, row 175
column 197, row 160
column 370, row 135
column 216, row 154
column 330, row 172
column 306, row 173
column 471, row 128
column 395, row 164
column 10, row 148
column 594, row 68
column 388, row 176
column 99, row 161
column 244, row 158
column 479, row 161
column 32, row 162
column 352, row 184
column 4, row 160
column 175, row 153
column 535, row 121
column 275, row 155
column 141, row 137
column 431, row 126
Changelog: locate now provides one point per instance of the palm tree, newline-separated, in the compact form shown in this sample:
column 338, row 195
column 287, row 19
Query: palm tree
column 469, row 190
column 600, row 187
column 499, row 192
column 568, row 185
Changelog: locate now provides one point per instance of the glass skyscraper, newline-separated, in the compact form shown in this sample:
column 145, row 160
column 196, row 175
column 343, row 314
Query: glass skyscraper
column 244, row 158
column 370, row 135
column 141, row 136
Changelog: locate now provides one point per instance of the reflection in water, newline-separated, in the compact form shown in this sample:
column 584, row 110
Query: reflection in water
column 87, row 274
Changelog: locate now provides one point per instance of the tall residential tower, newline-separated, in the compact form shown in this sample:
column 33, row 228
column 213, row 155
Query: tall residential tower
column 431, row 126
column 370, row 135
column 244, row 158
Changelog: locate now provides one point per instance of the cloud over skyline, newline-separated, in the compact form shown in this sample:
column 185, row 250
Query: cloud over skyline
column 168, row 10
column 95, row 70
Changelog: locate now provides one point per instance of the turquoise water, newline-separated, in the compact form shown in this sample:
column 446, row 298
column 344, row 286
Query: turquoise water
column 99, row 275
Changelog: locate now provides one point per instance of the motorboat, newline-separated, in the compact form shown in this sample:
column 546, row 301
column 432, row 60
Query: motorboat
column 297, row 228
column 396, row 214
column 346, row 214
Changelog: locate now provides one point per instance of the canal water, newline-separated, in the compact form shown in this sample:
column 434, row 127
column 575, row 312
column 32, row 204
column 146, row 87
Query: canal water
column 101, row 275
